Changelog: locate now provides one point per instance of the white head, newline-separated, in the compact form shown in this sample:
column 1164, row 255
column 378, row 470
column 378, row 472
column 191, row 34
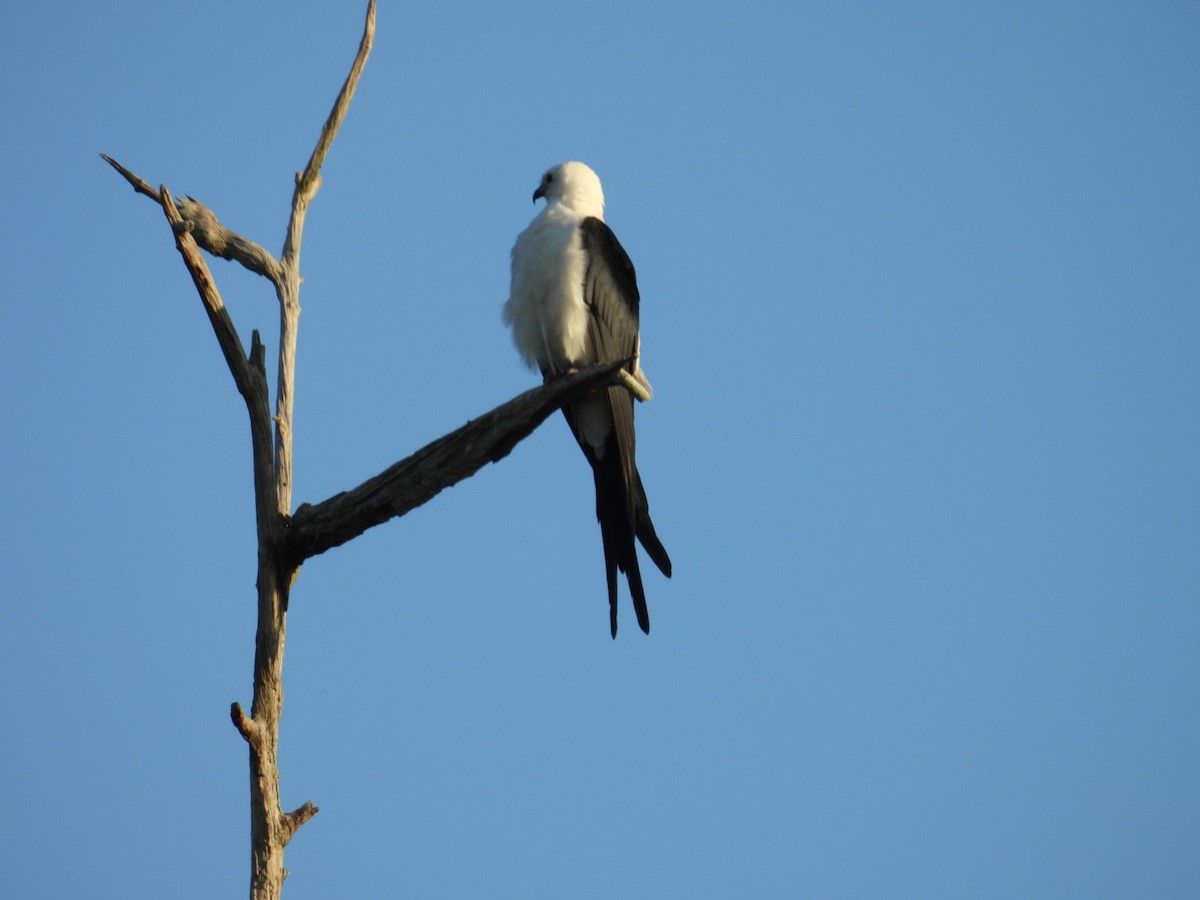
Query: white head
column 575, row 185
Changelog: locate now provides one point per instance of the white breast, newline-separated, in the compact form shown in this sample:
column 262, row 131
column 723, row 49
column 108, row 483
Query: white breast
column 545, row 308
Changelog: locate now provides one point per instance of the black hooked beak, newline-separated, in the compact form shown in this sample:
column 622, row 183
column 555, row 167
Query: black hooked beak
column 540, row 192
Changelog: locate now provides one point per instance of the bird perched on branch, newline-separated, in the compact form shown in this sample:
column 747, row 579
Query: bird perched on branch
column 574, row 303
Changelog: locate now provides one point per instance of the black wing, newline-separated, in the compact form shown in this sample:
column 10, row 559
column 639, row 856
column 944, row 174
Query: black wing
column 611, row 294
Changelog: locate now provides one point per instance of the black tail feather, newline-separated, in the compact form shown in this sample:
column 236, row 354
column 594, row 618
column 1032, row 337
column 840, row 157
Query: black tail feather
column 618, row 532
column 645, row 528
column 610, row 567
column 624, row 517
column 634, row 574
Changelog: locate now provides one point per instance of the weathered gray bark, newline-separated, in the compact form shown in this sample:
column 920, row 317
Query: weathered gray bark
column 285, row 540
column 460, row 454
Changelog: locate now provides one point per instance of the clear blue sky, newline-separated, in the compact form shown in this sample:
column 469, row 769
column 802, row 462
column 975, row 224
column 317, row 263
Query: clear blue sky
column 921, row 304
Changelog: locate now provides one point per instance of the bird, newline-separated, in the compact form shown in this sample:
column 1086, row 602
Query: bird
column 574, row 303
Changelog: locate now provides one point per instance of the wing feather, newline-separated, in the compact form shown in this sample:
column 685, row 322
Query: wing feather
column 610, row 294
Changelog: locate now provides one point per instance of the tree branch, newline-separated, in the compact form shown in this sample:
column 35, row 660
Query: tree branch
column 220, row 241
column 243, row 723
column 439, row 465
column 297, row 817
column 288, row 287
column 218, row 315
column 207, row 230
column 306, row 182
column 139, row 185
column 248, row 373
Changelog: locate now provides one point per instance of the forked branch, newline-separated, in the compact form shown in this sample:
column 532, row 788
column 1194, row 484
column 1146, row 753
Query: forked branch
column 207, row 230
column 196, row 227
column 231, row 345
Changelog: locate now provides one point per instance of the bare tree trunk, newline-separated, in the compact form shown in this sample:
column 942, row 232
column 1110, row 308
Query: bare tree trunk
column 271, row 440
column 270, row 827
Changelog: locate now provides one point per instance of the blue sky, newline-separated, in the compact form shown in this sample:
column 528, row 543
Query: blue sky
column 921, row 305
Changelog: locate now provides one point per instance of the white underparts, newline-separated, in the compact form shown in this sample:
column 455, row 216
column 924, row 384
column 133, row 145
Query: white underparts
column 545, row 310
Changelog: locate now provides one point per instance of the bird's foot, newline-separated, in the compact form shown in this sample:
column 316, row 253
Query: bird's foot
column 637, row 385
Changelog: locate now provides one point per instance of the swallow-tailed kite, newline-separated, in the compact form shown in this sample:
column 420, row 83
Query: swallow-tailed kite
column 574, row 303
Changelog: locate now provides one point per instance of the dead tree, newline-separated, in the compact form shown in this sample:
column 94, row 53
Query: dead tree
column 287, row 539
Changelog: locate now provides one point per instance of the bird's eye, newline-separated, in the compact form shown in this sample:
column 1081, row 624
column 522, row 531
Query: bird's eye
column 547, row 178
